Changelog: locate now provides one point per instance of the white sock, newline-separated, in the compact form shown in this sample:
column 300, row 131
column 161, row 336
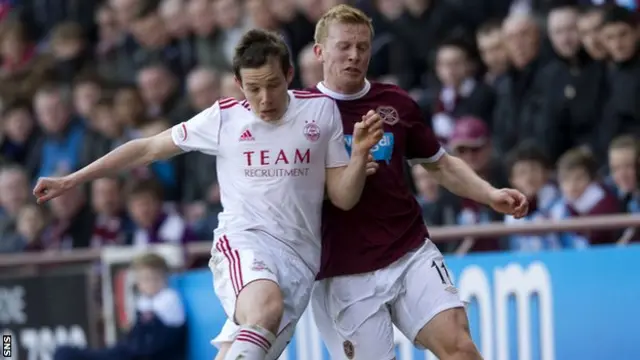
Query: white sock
column 251, row 343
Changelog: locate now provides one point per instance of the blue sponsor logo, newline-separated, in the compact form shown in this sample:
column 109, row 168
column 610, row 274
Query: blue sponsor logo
column 381, row 152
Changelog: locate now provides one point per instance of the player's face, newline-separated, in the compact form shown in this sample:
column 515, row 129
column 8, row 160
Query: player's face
column 345, row 55
column 622, row 163
column 266, row 89
column 573, row 183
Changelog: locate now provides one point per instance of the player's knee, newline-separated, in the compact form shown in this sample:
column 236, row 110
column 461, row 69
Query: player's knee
column 260, row 303
column 460, row 347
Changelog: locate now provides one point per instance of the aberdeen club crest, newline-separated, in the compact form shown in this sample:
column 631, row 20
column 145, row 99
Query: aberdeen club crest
column 311, row 131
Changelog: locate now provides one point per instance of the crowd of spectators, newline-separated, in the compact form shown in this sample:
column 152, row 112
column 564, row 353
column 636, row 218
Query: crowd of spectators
column 543, row 96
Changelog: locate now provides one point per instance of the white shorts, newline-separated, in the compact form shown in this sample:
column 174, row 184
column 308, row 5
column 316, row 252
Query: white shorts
column 355, row 313
column 241, row 258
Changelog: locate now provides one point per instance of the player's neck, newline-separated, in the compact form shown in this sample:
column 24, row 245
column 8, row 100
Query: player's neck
column 342, row 93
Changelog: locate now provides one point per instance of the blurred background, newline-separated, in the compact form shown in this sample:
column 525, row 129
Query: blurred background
column 539, row 95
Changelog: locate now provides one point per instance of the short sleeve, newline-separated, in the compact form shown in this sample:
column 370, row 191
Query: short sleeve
column 422, row 144
column 337, row 155
column 200, row 133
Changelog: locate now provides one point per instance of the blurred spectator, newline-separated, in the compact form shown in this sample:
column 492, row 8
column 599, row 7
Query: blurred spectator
column 109, row 31
column 70, row 50
column 530, row 172
column 208, row 38
column 59, row 150
column 228, row 15
column 30, row 225
column 112, row 226
column 161, row 93
column 518, row 113
column 154, row 42
column 153, row 225
column 72, row 225
column 582, row 195
column 573, row 85
column 174, row 15
column 622, row 114
column 14, row 194
column 130, row 109
column 427, row 192
column 87, row 90
column 471, row 141
column 490, row 41
column 310, row 67
column 623, row 165
column 159, row 328
column 229, row 88
column 108, row 132
column 203, row 89
column 421, row 27
column 589, row 25
column 19, row 133
column 16, row 50
column 459, row 93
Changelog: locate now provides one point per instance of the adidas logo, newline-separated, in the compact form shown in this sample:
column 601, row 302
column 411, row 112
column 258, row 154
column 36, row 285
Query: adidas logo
column 246, row 136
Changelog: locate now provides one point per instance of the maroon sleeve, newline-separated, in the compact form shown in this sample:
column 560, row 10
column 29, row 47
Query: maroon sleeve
column 422, row 144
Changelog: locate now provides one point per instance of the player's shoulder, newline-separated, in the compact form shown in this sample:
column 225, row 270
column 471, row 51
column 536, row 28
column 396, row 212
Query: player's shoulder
column 390, row 91
column 312, row 101
column 310, row 97
column 229, row 103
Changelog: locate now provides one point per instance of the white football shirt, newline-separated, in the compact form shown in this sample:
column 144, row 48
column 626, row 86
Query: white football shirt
column 271, row 176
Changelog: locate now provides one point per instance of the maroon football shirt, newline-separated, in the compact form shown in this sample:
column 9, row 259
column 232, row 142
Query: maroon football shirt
column 387, row 222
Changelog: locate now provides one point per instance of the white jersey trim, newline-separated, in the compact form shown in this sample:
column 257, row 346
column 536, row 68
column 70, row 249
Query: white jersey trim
column 340, row 96
column 429, row 160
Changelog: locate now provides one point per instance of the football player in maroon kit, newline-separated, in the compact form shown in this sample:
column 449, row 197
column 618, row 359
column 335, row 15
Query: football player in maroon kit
column 378, row 265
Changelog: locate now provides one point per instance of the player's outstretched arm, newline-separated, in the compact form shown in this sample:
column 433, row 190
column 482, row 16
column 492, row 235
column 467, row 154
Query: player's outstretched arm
column 455, row 175
column 345, row 184
column 130, row 155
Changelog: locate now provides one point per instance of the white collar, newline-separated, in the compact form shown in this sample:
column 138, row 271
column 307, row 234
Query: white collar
column 340, row 96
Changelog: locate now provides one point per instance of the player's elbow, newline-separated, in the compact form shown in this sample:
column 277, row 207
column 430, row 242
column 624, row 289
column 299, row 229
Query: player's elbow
column 343, row 203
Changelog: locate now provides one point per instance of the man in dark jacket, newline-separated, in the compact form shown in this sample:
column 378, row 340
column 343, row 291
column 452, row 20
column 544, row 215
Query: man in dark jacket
column 574, row 87
column 622, row 110
column 518, row 113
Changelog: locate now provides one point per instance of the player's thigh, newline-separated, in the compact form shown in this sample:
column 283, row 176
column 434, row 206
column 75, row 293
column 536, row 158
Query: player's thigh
column 427, row 292
column 240, row 285
column 362, row 330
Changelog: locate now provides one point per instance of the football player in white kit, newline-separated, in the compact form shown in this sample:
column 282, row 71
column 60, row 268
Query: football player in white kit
column 276, row 152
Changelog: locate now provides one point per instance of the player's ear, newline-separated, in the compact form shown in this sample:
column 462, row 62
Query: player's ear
column 317, row 51
column 238, row 81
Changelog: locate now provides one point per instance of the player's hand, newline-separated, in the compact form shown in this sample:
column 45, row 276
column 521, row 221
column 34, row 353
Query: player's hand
column 49, row 188
column 367, row 132
column 509, row 202
column 372, row 165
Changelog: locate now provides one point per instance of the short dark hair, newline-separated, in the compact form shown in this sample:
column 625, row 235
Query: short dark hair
column 16, row 105
column 489, row 26
column 618, row 14
column 527, row 151
column 457, row 43
column 256, row 47
column 145, row 187
column 579, row 158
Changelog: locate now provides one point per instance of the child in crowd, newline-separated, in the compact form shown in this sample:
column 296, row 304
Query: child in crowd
column 159, row 331
column 530, row 172
column 623, row 160
column 582, row 195
column 153, row 224
column 30, row 225
column 427, row 190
